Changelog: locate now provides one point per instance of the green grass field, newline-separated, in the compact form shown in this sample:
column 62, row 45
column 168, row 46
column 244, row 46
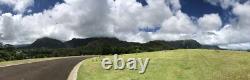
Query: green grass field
column 176, row 65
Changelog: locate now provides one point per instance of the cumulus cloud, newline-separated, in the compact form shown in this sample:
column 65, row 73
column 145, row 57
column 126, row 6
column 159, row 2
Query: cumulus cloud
column 240, row 29
column 128, row 16
column 210, row 22
column 234, row 35
column 180, row 23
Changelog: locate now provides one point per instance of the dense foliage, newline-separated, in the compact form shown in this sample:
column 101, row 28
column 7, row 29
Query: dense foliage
column 8, row 52
column 47, row 47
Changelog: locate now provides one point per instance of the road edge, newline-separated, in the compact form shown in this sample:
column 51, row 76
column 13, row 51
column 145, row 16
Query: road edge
column 73, row 73
column 28, row 61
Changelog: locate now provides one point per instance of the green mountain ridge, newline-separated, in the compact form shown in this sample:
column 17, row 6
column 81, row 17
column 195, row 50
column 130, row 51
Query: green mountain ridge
column 49, row 47
column 92, row 43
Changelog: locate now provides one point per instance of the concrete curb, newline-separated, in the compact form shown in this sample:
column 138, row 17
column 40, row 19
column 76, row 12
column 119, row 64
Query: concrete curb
column 27, row 61
column 73, row 73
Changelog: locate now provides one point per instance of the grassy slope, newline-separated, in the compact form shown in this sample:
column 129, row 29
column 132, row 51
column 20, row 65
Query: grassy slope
column 177, row 65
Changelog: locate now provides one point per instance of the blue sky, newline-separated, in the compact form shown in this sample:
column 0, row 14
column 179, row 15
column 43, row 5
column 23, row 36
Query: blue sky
column 40, row 5
column 5, row 8
column 197, row 8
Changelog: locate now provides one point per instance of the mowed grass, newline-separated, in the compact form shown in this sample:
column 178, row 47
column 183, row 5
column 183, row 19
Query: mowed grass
column 184, row 64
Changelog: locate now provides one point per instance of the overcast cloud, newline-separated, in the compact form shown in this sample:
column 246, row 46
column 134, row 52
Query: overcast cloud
column 123, row 19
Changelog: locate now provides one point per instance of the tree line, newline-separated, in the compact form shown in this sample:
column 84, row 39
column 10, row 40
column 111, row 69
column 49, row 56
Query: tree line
column 95, row 46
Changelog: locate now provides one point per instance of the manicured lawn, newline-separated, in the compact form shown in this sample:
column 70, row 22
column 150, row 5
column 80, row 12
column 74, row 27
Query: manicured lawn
column 184, row 64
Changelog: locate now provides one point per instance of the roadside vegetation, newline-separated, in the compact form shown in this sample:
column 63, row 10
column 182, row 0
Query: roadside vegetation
column 19, row 54
column 183, row 64
column 48, row 47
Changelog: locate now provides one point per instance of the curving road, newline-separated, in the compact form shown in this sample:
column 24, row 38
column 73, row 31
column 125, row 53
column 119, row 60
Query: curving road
column 58, row 69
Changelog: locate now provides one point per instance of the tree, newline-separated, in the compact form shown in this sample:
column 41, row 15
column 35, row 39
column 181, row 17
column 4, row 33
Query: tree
column 1, row 45
column 9, row 47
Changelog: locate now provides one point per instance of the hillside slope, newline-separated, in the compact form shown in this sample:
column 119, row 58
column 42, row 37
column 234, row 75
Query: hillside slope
column 185, row 64
column 47, row 43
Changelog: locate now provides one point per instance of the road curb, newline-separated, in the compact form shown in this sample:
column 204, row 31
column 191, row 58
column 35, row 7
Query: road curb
column 28, row 61
column 73, row 73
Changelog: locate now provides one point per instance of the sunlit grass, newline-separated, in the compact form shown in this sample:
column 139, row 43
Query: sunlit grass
column 182, row 64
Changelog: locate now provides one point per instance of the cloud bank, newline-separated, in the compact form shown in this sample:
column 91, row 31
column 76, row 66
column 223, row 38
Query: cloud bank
column 124, row 19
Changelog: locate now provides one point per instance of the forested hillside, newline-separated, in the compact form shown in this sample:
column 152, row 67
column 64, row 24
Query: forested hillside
column 48, row 47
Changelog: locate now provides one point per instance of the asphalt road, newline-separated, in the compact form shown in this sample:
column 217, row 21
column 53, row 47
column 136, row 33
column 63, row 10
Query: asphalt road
column 58, row 69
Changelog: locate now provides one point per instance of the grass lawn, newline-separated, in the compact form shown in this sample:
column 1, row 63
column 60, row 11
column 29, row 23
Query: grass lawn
column 184, row 64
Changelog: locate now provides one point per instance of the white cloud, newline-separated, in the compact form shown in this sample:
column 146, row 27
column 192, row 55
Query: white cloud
column 76, row 18
column 18, row 5
column 232, row 34
column 210, row 22
column 239, row 32
column 239, row 46
column 178, row 24
column 128, row 16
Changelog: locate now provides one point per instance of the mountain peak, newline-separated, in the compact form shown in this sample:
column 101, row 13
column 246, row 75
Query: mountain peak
column 47, row 42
